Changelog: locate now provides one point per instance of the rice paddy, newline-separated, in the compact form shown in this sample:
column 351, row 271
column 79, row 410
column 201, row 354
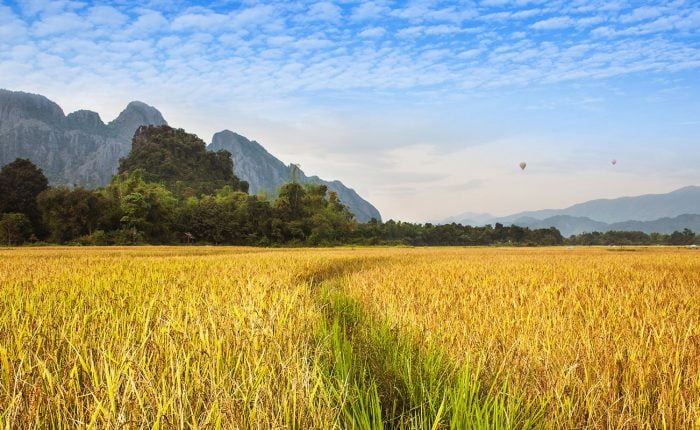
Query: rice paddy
column 226, row 337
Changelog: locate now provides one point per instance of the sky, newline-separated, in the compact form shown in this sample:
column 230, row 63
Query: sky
column 425, row 108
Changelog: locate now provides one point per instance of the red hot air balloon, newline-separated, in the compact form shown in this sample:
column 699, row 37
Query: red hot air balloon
column 522, row 165
column 614, row 162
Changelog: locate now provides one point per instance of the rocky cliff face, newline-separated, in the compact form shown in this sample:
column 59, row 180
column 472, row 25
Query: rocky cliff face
column 77, row 148
column 264, row 172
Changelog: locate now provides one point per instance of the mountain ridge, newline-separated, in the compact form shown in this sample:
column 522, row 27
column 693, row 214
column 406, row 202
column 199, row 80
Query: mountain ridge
column 569, row 225
column 79, row 148
column 664, row 212
column 644, row 207
column 266, row 173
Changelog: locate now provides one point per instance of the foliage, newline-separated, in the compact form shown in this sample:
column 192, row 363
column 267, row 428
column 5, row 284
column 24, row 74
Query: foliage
column 685, row 237
column 71, row 213
column 228, row 217
column 456, row 234
column 15, row 228
column 146, row 210
column 20, row 183
column 180, row 161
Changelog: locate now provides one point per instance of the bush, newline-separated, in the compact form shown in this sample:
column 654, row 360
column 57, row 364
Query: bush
column 97, row 238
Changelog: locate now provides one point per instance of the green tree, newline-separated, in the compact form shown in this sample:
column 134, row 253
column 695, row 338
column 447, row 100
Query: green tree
column 135, row 209
column 147, row 211
column 685, row 237
column 71, row 213
column 15, row 228
column 331, row 222
column 20, row 183
column 289, row 203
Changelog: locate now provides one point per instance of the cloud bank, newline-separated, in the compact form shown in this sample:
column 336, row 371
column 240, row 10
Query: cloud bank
column 312, row 77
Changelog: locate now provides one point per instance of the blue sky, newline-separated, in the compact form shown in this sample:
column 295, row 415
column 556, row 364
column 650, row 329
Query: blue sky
column 424, row 107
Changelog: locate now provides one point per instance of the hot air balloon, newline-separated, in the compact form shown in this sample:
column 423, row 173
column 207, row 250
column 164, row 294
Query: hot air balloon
column 522, row 165
column 614, row 162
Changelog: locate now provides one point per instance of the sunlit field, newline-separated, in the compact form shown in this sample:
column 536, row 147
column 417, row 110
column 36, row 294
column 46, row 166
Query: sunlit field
column 224, row 337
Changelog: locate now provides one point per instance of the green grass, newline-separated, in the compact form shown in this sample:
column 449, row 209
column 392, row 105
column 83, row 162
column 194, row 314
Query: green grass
column 382, row 379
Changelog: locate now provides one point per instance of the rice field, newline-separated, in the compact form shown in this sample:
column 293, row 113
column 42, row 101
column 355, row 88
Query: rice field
column 368, row 338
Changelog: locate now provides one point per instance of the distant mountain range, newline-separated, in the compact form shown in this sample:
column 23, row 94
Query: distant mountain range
column 569, row 225
column 662, row 213
column 80, row 149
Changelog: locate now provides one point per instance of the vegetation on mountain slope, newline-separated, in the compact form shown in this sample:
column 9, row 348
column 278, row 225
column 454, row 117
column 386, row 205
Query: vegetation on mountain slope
column 180, row 161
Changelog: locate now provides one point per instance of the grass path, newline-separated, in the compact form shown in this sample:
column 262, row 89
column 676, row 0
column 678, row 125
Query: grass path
column 382, row 379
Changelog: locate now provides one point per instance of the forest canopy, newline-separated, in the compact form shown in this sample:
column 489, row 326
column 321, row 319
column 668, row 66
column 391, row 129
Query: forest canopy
column 169, row 190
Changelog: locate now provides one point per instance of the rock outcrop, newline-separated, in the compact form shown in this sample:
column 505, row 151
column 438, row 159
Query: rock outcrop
column 77, row 148
column 264, row 172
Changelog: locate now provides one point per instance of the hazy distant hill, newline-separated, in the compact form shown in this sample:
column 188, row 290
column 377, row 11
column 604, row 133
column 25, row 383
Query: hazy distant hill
column 468, row 218
column 647, row 207
column 77, row 148
column 662, row 213
column 569, row 225
column 264, row 172
column 566, row 224
column 662, row 225
column 80, row 149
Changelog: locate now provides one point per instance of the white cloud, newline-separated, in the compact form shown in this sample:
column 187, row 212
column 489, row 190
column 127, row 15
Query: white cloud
column 690, row 22
column 604, row 31
column 49, row 7
column 368, row 10
column 66, row 22
column 411, row 31
column 470, row 53
column 168, row 42
column 432, row 30
column 515, row 15
column 311, row 43
column 106, row 16
column 494, row 2
column 554, row 23
column 200, row 21
column 252, row 16
column 435, row 48
column 280, row 60
column 280, row 40
column 148, row 22
column 12, row 29
column 441, row 29
column 641, row 13
column 372, row 32
column 323, row 11
column 588, row 21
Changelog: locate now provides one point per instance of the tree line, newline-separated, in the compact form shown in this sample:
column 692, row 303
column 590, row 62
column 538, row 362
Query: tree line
column 677, row 238
column 170, row 190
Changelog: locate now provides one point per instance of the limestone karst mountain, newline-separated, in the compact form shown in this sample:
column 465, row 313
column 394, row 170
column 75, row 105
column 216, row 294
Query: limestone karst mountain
column 264, row 172
column 80, row 149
